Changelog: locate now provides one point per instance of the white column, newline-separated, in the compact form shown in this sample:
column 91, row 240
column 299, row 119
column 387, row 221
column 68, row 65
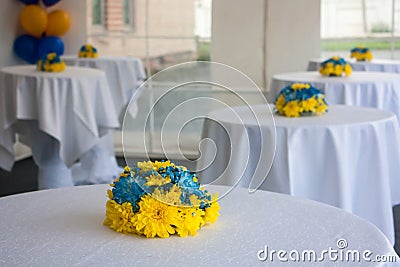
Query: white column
column 265, row 37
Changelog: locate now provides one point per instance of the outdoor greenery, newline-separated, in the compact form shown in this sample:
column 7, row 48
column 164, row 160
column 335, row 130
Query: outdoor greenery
column 342, row 45
column 203, row 51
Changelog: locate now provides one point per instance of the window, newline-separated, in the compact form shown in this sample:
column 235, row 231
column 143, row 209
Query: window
column 349, row 23
column 128, row 14
column 98, row 14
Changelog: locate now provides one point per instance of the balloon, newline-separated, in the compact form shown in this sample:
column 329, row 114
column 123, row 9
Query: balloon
column 26, row 46
column 34, row 20
column 50, row 44
column 50, row 2
column 29, row 2
column 58, row 23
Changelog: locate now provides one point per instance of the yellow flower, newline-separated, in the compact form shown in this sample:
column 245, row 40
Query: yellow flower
column 320, row 109
column 292, row 109
column 145, row 166
column 110, row 194
column 299, row 86
column 154, row 218
column 280, row 102
column 51, row 56
column 212, row 212
column 120, row 217
column 171, row 197
column 309, row 104
column 189, row 221
column 335, row 57
column 162, row 164
column 348, row 70
column 156, row 180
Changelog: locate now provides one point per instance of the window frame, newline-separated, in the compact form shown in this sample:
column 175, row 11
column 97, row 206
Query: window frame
column 99, row 28
column 131, row 26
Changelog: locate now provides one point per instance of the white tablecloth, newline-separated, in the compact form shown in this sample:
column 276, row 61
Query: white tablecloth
column 73, row 108
column 63, row 227
column 124, row 75
column 348, row 158
column 368, row 89
column 379, row 65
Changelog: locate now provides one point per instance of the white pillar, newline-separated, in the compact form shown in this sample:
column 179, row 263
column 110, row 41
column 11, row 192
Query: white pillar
column 265, row 37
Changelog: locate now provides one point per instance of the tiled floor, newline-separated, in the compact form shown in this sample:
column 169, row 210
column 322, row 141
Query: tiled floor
column 22, row 179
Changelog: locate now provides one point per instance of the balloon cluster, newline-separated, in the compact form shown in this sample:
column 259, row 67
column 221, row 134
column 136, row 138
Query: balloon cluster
column 43, row 31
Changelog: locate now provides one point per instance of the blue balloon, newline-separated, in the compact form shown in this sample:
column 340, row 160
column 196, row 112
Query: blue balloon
column 50, row 2
column 30, row 2
column 26, row 47
column 50, row 44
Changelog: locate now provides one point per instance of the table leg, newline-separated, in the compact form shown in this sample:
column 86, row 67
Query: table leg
column 98, row 165
column 53, row 172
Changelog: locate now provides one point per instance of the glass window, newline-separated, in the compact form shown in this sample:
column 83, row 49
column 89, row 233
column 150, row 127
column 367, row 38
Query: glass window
column 128, row 8
column 97, row 12
column 349, row 23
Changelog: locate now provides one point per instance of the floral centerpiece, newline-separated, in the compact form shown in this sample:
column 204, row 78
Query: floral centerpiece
column 299, row 99
column 159, row 199
column 51, row 63
column 335, row 66
column 88, row 51
column 361, row 53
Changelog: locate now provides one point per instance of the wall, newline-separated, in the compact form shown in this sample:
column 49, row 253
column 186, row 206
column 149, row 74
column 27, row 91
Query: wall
column 11, row 29
column 265, row 37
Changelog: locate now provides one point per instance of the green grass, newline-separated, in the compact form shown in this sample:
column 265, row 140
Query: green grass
column 204, row 51
column 347, row 45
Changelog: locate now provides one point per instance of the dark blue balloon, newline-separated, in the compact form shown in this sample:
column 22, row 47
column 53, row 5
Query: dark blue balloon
column 50, row 2
column 26, row 47
column 50, row 44
column 29, row 2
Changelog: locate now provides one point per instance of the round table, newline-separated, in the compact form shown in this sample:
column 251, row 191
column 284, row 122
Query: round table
column 63, row 227
column 369, row 89
column 124, row 76
column 379, row 65
column 59, row 115
column 348, row 158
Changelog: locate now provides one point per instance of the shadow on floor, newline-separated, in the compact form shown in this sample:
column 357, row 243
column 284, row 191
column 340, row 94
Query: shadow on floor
column 22, row 179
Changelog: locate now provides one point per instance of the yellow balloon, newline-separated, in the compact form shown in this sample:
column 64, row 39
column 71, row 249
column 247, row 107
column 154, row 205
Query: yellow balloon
column 58, row 23
column 33, row 19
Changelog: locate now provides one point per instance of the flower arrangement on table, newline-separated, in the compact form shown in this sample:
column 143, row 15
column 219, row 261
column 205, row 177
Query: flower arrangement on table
column 335, row 66
column 159, row 199
column 361, row 53
column 88, row 51
column 51, row 63
column 299, row 99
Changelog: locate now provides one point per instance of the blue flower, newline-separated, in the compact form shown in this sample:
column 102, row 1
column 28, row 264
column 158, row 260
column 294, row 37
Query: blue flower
column 127, row 190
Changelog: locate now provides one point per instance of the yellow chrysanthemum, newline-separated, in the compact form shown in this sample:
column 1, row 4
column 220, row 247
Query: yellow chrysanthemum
column 280, row 102
column 110, row 194
column 145, row 166
column 299, row 86
column 212, row 212
column 162, row 164
column 321, row 108
column 170, row 197
column 348, row 70
column 156, row 180
column 120, row 217
column 292, row 109
column 155, row 218
column 309, row 104
column 189, row 221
